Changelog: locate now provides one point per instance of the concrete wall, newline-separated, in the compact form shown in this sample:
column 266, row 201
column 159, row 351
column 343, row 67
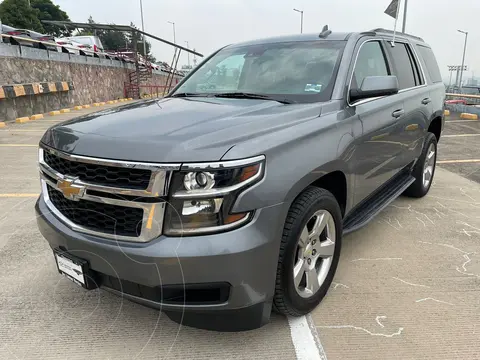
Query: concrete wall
column 94, row 79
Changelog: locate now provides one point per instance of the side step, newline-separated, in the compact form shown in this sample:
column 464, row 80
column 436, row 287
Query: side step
column 367, row 211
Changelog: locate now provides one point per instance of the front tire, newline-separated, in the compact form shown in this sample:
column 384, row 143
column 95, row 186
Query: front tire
column 424, row 169
column 309, row 252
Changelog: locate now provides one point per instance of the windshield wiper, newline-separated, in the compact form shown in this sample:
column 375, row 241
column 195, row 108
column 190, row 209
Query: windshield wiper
column 243, row 95
column 187, row 94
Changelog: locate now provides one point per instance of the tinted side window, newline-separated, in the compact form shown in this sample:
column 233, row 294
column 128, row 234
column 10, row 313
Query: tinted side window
column 431, row 63
column 370, row 62
column 403, row 68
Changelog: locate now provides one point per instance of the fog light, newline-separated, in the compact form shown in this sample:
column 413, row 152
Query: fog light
column 193, row 207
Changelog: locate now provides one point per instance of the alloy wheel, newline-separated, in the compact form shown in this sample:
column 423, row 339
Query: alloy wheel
column 429, row 165
column 314, row 253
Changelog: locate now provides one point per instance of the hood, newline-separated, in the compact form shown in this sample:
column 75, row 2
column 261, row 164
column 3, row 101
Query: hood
column 175, row 129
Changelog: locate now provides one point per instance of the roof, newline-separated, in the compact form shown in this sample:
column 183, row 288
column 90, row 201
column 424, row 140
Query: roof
column 334, row 36
column 114, row 27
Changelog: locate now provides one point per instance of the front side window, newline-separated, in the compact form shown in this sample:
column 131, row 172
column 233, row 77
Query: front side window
column 370, row 62
column 298, row 71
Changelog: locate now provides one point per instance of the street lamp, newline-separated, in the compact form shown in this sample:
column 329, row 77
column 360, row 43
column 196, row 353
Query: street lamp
column 188, row 54
column 174, row 40
column 463, row 59
column 301, row 23
column 143, row 29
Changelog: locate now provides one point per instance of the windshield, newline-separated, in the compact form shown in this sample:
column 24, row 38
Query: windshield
column 296, row 71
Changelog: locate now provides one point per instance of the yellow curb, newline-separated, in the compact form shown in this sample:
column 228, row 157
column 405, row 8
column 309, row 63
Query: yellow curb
column 96, row 104
column 468, row 116
column 110, row 102
column 36, row 117
column 121, row 100
column 63, row 111
column 446, row 112
column 77, row 108
column 2, row 124
column 101, row 103
column 53, row 113
column 130, row 99
column 22, row 120
column 115, row 101
column 86, row 106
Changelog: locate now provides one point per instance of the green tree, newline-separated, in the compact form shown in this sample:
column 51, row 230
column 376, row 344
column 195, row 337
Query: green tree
column 19, row 14
column 49, row 11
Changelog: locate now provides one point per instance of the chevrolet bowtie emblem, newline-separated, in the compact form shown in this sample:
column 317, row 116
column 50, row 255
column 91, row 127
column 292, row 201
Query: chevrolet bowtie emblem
column 70, row 190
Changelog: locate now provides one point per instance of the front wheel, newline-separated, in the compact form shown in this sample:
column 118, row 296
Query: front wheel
column 309, row 252
column 424, row 169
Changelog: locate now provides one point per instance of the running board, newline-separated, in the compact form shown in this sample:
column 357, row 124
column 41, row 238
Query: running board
column 367, row 211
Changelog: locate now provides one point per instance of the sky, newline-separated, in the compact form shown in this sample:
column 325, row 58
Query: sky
column 210, row 24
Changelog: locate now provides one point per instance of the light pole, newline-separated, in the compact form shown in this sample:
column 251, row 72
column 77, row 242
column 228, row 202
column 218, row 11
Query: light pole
column 405, row 7
column 301, row 22
column 174, row 40
column 463, row 59
column 143, row 29
column 188, row 54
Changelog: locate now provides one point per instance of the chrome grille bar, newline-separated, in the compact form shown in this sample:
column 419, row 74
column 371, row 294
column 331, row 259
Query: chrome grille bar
column 153, row 212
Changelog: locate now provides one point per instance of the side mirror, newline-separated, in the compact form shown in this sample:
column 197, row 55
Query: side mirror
column 375, row 86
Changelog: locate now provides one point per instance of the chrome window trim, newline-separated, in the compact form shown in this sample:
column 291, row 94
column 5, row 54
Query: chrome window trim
column 364, row 101
column 227, row 164
column 196, row 194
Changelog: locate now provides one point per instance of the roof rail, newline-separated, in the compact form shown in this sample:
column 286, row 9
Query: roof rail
column 399, row 33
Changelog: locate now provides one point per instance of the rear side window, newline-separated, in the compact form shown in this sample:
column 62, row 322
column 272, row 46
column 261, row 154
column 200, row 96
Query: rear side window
column 431, row 63
column 404, row 69
column 370, row 62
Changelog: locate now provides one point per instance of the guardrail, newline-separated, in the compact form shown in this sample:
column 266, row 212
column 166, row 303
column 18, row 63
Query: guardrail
column 468, row 99
column 46, row 45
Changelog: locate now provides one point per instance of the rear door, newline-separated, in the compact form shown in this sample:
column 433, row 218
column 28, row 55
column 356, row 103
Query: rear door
column 416, row 98
column 377, row 151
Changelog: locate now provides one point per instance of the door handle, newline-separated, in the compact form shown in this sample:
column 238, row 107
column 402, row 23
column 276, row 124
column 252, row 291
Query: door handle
column 398, row 113
column 426, row 101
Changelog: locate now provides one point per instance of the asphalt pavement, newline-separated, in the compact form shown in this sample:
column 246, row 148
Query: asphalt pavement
column 407, row 287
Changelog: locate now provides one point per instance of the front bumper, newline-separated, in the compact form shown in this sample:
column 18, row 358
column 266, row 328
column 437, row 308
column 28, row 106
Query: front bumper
column 245, row 260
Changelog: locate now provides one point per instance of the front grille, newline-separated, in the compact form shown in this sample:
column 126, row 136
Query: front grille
column 105, row 218
column 100, row 174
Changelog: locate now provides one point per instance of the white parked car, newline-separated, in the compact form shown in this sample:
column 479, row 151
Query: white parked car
column 93, row 42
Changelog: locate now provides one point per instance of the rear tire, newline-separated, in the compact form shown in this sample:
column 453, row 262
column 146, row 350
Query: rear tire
column 424, row 169
column 310, row 248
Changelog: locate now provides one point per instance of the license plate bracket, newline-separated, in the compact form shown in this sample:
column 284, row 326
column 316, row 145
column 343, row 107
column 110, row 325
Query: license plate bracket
column 75, row 269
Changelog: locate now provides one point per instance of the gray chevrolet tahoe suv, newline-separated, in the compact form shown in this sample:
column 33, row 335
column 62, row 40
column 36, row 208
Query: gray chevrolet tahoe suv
column 229, row 197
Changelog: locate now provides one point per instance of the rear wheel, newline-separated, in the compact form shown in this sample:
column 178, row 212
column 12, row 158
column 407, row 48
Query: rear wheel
column 424, row 169
column 309, row 252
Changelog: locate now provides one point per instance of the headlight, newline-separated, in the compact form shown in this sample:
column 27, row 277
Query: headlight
column 202, row 196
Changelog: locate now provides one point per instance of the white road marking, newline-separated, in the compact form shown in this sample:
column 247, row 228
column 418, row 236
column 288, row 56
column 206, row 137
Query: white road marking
column 408, row 283
column 377, row 259
column 339, row 284
column 398, row 332
column 432, row 299
column 457, row 121
column 460, row 135
column 377, row 319
column 305, row 339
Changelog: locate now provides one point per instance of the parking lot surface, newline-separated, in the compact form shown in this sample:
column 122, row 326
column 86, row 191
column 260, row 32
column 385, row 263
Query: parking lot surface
column 407, row 287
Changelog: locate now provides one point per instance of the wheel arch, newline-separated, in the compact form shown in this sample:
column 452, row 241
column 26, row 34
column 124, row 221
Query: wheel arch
column 333, row 177
column 436, row 124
